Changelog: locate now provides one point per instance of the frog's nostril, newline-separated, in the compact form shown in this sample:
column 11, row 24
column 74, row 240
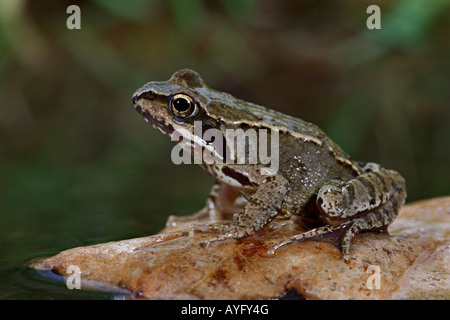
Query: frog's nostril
column 148, row 95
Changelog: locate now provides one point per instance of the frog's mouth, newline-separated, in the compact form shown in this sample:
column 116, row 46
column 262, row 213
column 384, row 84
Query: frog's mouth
column 159, row 124
column 163, row 127
column 182, row 136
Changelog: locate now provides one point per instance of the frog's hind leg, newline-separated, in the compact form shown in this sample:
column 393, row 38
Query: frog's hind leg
column 376, row 220
column 370, row 201
column 341, row 201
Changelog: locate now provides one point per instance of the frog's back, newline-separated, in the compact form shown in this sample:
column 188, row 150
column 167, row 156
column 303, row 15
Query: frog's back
column 296, row 127
column 236, row 112
column 306, row 152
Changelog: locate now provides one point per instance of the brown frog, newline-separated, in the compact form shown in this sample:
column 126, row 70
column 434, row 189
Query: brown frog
column 313, row 180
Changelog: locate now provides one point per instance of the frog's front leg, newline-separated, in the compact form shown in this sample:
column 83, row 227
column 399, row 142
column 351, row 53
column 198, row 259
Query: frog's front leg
column 268, row 194
column 370, row 201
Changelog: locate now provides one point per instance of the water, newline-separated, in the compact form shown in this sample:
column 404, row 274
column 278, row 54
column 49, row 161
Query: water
column 46, row 209
column 20, row 282
column 24, row 241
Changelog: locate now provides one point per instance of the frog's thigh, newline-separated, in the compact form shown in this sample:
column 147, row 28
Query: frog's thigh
column 341, row 201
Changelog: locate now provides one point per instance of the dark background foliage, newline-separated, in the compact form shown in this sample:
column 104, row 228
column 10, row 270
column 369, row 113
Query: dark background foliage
column 79, row 166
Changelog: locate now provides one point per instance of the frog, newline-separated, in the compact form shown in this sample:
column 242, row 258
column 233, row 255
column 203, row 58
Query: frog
column 316, row 182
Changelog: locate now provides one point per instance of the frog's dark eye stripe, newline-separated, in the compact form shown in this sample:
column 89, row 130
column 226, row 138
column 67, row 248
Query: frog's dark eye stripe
column 183, row 106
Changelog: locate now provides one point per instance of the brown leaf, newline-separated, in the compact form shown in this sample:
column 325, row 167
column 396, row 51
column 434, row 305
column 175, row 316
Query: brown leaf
column 413, row 263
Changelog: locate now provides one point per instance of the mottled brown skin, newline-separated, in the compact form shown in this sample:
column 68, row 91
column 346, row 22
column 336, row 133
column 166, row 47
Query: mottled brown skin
column 316, row 180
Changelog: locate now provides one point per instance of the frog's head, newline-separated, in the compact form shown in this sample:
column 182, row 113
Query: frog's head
column 170, row 105
column 185, row 98
column 178, row 106
column 184, row 101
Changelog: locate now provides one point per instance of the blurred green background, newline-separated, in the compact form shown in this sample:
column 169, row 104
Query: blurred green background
column 79, row 166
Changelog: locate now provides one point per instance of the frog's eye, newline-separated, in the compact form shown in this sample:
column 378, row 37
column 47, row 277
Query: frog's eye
column 183, row 106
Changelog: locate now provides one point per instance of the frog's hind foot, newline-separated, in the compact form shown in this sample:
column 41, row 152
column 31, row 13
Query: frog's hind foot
column 316, row 232
column 347, row 231
column 340, row 236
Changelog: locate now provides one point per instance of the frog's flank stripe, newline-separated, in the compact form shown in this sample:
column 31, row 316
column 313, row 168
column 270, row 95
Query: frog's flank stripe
column 239, row 177
column 264, row 125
